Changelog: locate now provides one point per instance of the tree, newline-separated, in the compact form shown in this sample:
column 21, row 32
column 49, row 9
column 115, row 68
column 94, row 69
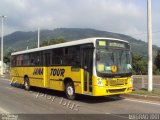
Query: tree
column 7, row 56
column 157, row 60
column 139, row 64
column 53, row 41
column 156, row 69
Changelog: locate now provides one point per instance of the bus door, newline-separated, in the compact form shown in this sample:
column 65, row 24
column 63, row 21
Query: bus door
column 87, row 65
column 46, row 75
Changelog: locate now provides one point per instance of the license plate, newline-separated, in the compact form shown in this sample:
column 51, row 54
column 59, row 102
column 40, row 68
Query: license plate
column 116, row 82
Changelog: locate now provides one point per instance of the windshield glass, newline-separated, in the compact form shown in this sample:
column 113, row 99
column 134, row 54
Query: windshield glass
column 113, row 61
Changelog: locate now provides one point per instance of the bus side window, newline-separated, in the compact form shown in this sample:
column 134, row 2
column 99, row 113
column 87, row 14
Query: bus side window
column 19, row 60
column 26, row 60
column 57, row 56
column 72, row 56
column 38, row 59
column 47, row 59
column 13, row 61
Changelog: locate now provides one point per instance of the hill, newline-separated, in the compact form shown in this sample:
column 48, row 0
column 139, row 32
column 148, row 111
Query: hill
column 20, row 40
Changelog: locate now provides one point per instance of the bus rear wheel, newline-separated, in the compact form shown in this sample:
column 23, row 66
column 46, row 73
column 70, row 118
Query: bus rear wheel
column 70, row 91
column 26, row 84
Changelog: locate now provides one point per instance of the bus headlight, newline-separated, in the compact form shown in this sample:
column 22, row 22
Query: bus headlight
column 99, row 83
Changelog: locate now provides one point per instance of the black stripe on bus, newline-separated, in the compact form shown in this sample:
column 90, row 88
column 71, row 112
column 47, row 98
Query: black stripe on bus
column 29, row 77
column 50, row 79
column 35, row 78
column 62, row 80
column 77, row 81
column 18, row 76
column 56, row 79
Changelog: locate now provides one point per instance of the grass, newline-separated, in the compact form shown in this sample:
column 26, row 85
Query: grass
column 155, row 92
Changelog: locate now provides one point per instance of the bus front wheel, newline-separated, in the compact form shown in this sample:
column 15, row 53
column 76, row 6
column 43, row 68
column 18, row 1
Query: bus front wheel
column 26, row 84
column 70, row 91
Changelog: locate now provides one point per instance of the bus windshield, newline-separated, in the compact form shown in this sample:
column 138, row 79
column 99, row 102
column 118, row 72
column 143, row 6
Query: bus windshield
column 113, row 61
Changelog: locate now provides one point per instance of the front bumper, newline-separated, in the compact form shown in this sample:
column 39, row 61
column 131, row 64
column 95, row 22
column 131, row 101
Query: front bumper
column 104, row 91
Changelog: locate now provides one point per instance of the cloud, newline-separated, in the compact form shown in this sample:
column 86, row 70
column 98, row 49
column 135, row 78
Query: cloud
column 121, row 16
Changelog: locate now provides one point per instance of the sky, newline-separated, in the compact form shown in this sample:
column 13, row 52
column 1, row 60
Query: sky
column 120, row 16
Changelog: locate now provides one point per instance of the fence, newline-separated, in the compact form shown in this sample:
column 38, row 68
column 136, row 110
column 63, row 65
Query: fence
column 141, row 81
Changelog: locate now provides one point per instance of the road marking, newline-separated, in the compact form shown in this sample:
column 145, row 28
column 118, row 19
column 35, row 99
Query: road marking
column 142, row 101
column 136, row 100
column 3, row 111
column 9, row 87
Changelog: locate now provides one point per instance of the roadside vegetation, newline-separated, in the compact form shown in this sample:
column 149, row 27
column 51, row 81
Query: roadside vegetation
column 140, row 64
column 144, row 92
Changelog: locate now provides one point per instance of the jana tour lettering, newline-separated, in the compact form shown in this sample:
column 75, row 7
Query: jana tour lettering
column 54, row 71
column 57, row 72
column 38, row 71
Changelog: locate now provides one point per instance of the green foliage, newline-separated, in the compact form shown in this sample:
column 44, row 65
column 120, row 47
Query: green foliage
column 156, row 71
column 157, row 60
column 139, row 64
column 157, row 63
column 7, row 56
column 155, row 92
column 53, row 41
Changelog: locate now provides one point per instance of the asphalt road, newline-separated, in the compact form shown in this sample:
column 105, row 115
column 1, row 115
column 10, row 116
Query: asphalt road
column 41, row 104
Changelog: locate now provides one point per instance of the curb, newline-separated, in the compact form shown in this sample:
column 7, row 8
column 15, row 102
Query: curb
column 142, row 97
column 7, row 79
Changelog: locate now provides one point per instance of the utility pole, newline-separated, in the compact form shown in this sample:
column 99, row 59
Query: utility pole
column 27, row 44
column 149, row 26
column 38, row 37
column 2, row 17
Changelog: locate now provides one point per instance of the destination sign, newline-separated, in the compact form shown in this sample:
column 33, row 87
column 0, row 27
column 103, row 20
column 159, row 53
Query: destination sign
column 113, row 44
column 102, row 43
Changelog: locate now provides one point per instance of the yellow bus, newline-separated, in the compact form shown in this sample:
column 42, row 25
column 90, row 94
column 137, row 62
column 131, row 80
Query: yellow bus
column 92, row 66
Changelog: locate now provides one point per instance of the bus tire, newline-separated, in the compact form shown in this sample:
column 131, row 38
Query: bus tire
column 26, row 84
column 70, row 91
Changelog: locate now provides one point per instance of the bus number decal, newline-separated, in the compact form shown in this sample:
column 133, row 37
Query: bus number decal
column 38, row 71
column 57, row 72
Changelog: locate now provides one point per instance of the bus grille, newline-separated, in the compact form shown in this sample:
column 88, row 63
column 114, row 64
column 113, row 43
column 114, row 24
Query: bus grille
column 117, row 90
column 117, row 82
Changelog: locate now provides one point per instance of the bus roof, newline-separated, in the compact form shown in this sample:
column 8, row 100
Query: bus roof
column 70, row 43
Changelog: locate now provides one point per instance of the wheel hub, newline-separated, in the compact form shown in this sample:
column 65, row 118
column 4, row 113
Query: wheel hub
column 70, row 90
column 26, row 84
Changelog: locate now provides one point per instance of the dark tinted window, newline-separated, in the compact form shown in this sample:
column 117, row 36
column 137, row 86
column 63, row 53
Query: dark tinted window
column 13, row 61
column 35, row 59
column 72, row 56
column 19, row 60
column 26, row 60
column 57, row 56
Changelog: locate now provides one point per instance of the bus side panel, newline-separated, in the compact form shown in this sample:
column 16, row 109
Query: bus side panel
column 55, row 78
column 35, row 75
column 17, row 75
column 76, row 74
column 46, row 74
column 58, row 74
